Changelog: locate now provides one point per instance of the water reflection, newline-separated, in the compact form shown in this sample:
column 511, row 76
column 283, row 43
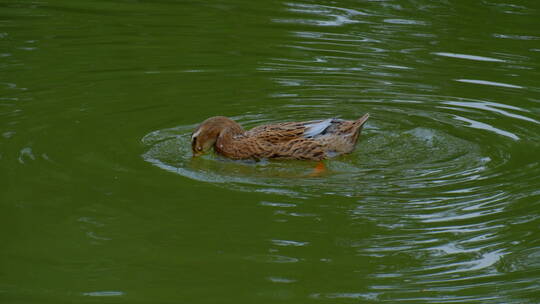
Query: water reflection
column 438, row 204
column 469, row 57
column 490, row 83
column 104, row 293
column 483, row 126
column 331, row 16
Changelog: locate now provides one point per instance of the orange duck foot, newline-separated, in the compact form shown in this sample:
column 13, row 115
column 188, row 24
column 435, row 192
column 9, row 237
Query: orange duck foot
column 319, row 169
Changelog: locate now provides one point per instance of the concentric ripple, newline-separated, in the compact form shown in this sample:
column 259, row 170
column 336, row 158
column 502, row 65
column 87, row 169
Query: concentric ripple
column 439, row 202
column 401, row 149
column 431, row 187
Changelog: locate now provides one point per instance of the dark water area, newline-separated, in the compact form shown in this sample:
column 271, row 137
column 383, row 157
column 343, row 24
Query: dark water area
column 101, row 201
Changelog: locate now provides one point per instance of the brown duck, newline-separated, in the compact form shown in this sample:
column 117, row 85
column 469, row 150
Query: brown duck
column 309, row 140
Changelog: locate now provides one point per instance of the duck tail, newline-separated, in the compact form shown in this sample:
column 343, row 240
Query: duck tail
column 362, row 120
column 359, row 124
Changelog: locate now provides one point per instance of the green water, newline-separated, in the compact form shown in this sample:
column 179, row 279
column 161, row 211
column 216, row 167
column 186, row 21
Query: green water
column 101, row 202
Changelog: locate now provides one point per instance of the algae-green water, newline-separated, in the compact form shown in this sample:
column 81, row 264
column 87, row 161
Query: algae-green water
column 101, row 201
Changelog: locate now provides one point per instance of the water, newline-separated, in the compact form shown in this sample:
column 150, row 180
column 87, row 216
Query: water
column 101, row 200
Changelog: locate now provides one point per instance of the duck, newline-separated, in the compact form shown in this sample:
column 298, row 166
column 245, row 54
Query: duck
column 315, row 140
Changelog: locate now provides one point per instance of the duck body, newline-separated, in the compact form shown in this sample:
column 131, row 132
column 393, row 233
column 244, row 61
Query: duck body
column 309, row 140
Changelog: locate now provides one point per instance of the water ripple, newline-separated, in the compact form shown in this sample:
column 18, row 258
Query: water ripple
column 330, row 16
column 490, row 83
column 441, row 171
column 469, row 57
column 391, row 157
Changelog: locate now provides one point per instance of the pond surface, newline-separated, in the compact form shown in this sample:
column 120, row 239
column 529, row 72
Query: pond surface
column 101, row 201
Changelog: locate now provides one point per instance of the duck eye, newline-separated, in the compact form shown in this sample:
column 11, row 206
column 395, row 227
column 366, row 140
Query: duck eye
column 199, row 148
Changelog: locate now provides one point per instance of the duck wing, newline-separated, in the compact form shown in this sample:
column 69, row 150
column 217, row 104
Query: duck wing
column 289, row 130
column 313, row 129
column 279, row 132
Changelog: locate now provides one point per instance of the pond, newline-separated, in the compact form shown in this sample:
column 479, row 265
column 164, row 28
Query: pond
column 101, row 200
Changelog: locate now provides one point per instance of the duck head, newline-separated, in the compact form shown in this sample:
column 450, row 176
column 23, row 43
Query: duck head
column 206, row 134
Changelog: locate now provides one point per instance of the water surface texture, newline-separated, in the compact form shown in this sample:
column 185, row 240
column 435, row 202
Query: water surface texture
column 101, row 201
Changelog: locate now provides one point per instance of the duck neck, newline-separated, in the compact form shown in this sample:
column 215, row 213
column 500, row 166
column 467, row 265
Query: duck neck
column 225, row 141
